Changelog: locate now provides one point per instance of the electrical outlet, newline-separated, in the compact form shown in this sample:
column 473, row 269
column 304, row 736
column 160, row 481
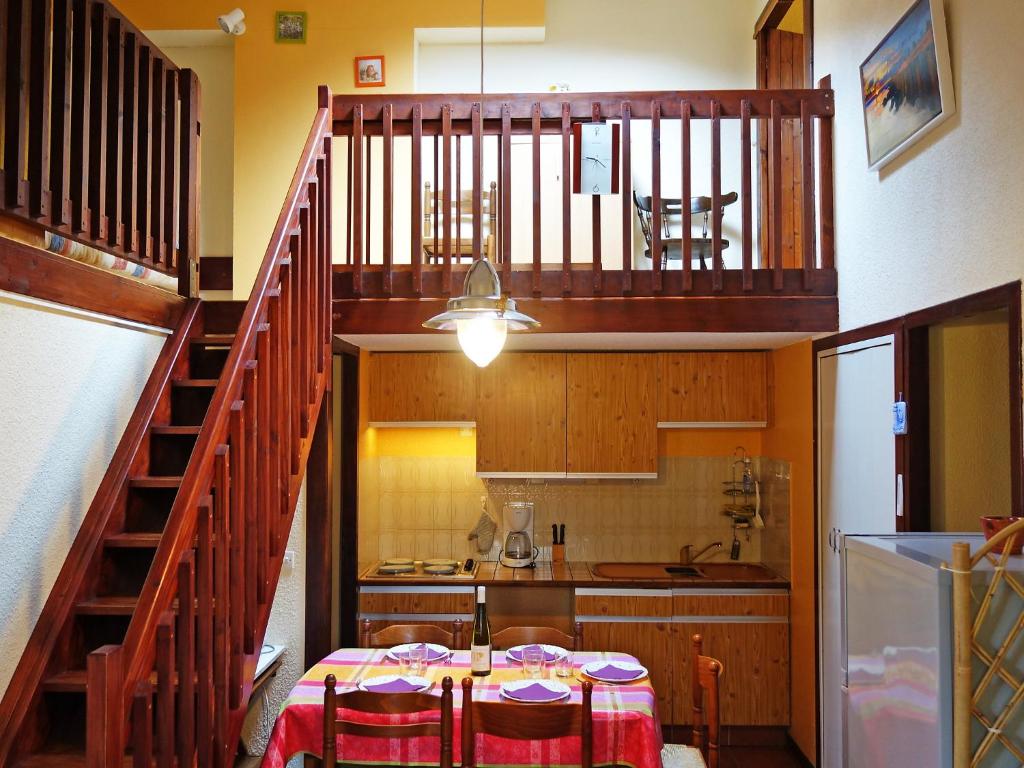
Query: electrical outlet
column 289, row 559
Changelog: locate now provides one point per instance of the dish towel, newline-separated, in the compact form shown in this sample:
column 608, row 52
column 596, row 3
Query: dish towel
column 483, row 533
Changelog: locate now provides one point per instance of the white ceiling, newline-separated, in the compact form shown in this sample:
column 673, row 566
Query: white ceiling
column 435, row 342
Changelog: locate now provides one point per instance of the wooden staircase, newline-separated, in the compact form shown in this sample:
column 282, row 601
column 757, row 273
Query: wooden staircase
column 145, row 650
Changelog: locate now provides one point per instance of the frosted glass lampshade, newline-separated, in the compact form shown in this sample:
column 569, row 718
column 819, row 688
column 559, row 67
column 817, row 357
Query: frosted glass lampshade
column 482, row 338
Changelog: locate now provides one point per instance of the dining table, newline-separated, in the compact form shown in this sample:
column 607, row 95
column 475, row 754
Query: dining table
column 626, row 729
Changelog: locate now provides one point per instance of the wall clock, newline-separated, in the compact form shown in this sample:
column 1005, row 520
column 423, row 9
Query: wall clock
column 595, row 159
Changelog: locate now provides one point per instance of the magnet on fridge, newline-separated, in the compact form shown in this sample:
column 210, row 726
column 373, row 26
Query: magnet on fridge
column 899, row 417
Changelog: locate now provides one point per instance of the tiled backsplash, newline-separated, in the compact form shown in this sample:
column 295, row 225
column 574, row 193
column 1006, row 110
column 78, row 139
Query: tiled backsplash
column 419, row 506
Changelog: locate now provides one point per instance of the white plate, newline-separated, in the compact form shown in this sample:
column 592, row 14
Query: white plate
column 433, row 648
column 591, row 669
column 513, row 654
column 557, row 689
column 421, row 683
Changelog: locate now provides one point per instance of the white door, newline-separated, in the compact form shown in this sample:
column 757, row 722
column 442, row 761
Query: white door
column 856, row 494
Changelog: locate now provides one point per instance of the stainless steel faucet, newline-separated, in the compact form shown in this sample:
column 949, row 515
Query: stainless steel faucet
column 685, row 553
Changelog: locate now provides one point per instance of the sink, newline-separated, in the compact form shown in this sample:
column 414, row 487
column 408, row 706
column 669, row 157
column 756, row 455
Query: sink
column 661, row 571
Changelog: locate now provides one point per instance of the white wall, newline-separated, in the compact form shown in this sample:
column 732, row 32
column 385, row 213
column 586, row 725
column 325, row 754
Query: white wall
column 69, row 383
column 943, row 219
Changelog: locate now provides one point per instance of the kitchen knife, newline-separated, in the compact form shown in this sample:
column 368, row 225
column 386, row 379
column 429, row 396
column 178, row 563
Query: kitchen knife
column 561, row 534
column 554, row 533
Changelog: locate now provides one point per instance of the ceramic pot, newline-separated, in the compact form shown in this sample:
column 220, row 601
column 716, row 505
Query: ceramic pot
column 993, row 524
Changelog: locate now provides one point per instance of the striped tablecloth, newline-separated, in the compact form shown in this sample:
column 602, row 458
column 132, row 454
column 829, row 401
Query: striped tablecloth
column 626, row 726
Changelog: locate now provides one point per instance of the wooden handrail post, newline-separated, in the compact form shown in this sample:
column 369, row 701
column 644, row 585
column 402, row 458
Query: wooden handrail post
column 826, row 188
column 189, row 187
column 962, row 639
column 104, row 732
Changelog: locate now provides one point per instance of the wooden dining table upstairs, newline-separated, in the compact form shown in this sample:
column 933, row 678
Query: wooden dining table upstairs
column 626, row 726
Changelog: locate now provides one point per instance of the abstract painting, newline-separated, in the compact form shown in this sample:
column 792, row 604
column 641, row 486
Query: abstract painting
column 906, row 84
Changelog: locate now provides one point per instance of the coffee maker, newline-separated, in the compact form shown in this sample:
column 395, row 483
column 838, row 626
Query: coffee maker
column 518, row 551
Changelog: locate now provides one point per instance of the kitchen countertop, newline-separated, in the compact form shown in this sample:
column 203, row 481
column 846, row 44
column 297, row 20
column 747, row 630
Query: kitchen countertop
column 567, row 574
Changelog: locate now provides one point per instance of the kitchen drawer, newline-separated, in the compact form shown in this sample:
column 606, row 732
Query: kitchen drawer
column 634, row 603
column 415, row 602
column 714, row 603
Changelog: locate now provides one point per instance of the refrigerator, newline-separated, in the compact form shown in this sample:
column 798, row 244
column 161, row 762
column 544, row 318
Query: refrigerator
column 898, row 651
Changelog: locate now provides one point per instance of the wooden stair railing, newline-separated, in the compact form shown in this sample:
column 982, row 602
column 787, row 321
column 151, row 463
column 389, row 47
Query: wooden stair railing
column 148, row 641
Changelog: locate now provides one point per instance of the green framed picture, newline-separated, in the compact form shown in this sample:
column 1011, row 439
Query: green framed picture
column 290, row 27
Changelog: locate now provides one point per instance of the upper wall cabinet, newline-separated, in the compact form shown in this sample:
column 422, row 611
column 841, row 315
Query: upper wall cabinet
column 713, row 389
column 520, row 416
column 611, row 405
column 422, row 389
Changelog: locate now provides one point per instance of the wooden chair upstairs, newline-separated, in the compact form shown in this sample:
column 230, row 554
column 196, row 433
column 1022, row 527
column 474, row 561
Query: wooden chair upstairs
column 461, row 226
column 513, row 636
column 706, row 672
column 526, row 722
column 397, row 634
column 701, row 248
column 387, row 704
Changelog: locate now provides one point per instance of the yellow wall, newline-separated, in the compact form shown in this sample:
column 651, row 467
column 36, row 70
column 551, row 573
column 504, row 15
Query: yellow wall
column 793, row 21
column 275, row 83
column 790, row 437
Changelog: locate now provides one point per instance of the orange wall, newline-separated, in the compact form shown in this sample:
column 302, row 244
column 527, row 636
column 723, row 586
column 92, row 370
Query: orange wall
column 791, row 437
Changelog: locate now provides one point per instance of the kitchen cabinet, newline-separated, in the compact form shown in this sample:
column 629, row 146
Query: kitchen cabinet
column 611, row 403
column 385, row 607
column 422, row 389
column 712, row 389
column 520, row 416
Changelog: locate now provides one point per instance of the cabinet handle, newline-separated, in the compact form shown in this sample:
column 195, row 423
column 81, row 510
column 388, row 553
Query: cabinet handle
column 831, row 539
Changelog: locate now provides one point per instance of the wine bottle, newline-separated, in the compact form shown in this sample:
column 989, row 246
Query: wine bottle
column 480, row 647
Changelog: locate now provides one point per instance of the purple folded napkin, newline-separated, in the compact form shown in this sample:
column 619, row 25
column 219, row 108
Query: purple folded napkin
column 534, row 692
column 398, row 685
column 517, row 654
column 611, row 672
column 433, row 654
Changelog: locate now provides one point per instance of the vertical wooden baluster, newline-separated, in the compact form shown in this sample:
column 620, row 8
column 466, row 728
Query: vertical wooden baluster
column 746, row 197
column 328, row 203
column 435, row 210
column 656, row 195
column 19, row 77
column 476, row 125
column 458, row 198
column 807, row 175
column 250, row 377
column 115, row 131
column 5, row 48
column 81, row 64
column 186, row 660
column 142, row 726
column 595, row 219
column 825, row 184
column 357, row 200
column 535, row 159
column 685, row 194
column 315, row 272
column 39, row 109
column 566, row 200
column 189, row 185
column 305, row 264
column 388, row 223
column 170, row 166
column 130, row 144
column 296, row 391
column 165, row 723
column 506, row 198
column 417, row 199
column 236, row 596
column 716, row 196
column 60, row 115
column 627, row 199
column 156, row 159
column 278, row 421
column 286, row 396
column 104, row 729
column 349, row 200
column 265, row 461
column 775, row 192
column 204, row 632
column 221, row 594
column 368, row 197
column 98, row 123
column 446, row 198
column 144, row 183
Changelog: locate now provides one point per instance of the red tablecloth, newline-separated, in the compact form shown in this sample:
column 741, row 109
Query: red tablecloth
column 626, row 726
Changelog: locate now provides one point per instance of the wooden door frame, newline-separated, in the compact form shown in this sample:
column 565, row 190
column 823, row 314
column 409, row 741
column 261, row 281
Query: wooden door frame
column 348, row 575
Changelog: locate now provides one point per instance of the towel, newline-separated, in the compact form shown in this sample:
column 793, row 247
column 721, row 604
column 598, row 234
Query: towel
column 483, row 533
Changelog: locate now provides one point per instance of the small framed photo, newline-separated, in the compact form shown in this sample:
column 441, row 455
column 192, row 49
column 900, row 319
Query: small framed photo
column 290, row 27
column 369, row 71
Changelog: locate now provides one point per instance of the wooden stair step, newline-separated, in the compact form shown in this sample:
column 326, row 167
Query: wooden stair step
column 129, row 540
column 214, row 339
column 67, row 759
column 195, row 383
column 155, row 481
column 170, row 430
column 109, row 605
column 74, row 681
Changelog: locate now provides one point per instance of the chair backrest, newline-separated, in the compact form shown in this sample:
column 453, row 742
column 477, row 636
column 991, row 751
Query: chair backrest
column 513, row 636
column 387, row 704
column 706, row 672
column 526, row 722
column 672, row 206
column 461, row 216
column 409, row 633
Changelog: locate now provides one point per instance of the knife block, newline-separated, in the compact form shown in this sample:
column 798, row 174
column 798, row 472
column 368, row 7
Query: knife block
column 558, row 553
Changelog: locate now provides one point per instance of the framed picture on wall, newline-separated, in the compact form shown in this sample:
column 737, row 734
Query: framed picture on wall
column 369, row 71
column 290, row 27
column 906, row 83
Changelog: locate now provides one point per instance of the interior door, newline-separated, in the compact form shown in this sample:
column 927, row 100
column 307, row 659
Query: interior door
column 856, row 494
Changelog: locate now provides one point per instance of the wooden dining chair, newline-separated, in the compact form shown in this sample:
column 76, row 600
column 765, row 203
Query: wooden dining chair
column 701, row 248
column 387, row 704
column 706, row 672
column 397, row 634
column 513, row 636
column 461, row 224
column 526, row 722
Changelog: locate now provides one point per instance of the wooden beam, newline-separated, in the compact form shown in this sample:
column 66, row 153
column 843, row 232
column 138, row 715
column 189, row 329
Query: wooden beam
column 319, row 538
column 772, row 15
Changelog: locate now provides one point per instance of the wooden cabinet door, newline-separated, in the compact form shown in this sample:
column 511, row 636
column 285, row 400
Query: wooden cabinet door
column 713, row 388
column 430, row 387
column 611, row 419
column 520, row 415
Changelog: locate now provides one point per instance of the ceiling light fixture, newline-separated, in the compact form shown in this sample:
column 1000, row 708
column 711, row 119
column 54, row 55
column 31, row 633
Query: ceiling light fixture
column 481, row 316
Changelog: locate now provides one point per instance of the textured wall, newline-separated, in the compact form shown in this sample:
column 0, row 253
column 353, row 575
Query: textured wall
column 68, row 384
